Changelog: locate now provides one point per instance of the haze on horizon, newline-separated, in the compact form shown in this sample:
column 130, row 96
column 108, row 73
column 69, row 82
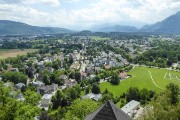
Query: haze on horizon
column 84, row 14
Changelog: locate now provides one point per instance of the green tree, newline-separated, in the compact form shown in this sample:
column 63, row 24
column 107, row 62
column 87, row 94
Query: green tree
column 87, row 89
column 46, row 79
column 12, row 109
column 161, row 109
column 15, row 77
column 32, row 97
column 4, row 93
column 106, row 97
column 72, row 93
column 58, row 114
column 57, row 99
column 144, row 95
column 27, row 112
column 115, row 79
column 174, row 92
column 132, row 94
column 95, row 89
column 81, row 108
column 97, row 78
column 77, row 76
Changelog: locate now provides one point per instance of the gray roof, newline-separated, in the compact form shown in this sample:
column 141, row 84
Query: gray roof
column 130, row 106
column 19, row 85
column 47, row 96
column 108, row 111
column 93, row 96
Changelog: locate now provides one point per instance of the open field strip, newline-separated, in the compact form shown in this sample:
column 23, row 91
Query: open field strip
column 142, row 77
column 5, row 53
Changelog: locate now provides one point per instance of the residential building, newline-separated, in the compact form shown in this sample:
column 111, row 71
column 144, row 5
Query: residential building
column 19, row 85
column 131, row 108
column 48, row 89
column 46, row 100
column 38, row 84
column 92, row 96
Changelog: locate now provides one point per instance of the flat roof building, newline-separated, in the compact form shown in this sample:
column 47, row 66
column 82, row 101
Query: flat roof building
column 131, row 107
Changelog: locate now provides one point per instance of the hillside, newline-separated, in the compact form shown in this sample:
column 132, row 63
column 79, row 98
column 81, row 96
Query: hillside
column 168, row 25
column 11, row 27
column 116, row 28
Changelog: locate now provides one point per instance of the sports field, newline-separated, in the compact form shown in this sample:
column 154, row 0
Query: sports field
column 143, row 77
column 5, row 53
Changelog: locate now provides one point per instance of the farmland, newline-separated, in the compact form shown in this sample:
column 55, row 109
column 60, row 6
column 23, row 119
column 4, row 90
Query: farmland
column 142, row 77
column 5, row 53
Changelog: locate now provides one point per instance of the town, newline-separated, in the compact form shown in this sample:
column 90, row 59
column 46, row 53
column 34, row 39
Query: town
column 65, row 69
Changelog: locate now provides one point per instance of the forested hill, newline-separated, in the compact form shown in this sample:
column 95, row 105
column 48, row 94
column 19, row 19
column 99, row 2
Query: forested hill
column 168, row 25
column 11, row 27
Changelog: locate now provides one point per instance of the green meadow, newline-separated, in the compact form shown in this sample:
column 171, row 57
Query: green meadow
column 99, row 38
column 141, row 78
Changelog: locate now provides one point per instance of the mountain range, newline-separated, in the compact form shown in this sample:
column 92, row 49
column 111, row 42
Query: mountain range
column 116, row 28
column 169, row 25
column 11, row 27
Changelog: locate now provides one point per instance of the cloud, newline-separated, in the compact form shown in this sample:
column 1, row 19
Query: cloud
column 47, row 2
column 71, row 1
column 10, row 1
column 122, row 12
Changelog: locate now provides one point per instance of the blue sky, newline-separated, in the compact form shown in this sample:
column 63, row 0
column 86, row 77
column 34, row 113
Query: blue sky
column 84, row 14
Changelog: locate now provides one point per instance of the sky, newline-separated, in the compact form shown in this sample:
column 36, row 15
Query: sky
column 85, row 14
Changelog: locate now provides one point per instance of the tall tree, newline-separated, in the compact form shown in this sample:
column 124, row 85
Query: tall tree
column 46, row 79
column 77, row 76
column 174, row 92
column 115, row 79
column 95, row 89
column 32, row 97
column 144, row 95
column 132, row 94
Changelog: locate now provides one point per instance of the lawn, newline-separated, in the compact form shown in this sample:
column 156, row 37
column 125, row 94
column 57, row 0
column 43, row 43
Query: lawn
column 141, row 79
column 99, row 38
column 60, row 41
column 5, row 53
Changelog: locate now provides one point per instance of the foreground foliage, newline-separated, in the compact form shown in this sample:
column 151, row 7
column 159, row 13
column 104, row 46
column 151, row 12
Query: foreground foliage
column 13, row 109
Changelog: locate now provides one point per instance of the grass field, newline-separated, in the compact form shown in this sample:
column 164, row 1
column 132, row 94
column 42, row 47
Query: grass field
column 99, row 38
column 5, row 53
column 141, row 78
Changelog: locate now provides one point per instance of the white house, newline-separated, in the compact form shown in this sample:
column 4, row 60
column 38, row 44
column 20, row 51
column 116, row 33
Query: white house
column 131, row 108
column 46, row 100
column 92, row 96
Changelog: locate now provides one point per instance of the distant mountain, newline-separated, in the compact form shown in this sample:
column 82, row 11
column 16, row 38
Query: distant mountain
column 116, row 28
column 11, row 27
column 168, row 25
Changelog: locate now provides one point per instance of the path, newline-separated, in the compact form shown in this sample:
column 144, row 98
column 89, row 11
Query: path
column 165, row 76
column 153, row 80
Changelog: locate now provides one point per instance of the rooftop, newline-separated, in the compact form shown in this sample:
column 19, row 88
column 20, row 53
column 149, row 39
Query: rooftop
column 95, row 97
column 108, row 111
column 47, row 96
column 130, row 106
